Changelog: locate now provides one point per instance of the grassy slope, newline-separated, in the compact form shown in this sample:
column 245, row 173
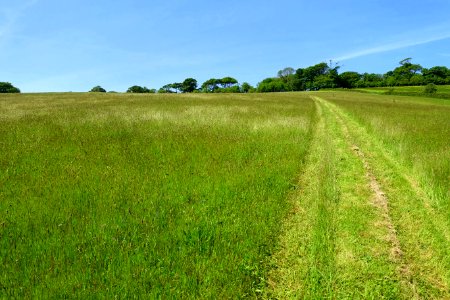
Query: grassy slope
column 421, row 228
column 407, row 142
column 183, row 196
column 414, row 130
column 168, row 196
column 340, row 242
column 443, row 91
column 331, row 246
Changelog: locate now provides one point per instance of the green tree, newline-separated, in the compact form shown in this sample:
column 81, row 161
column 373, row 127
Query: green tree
column 211, row 85
column 309, row 74
column 189, row 85
column 168, row 88
column 177, row 86
column 270, row 85
column 349, row 80
column 6, row 87
column 333, row 74
column 246, row 88
column 228, row 82
column 319, row 76
column 97, row 89
column 300, row 80
column 389, row 80
column 138, row 89
column 287, row 75
column 231, row 89
column 416, row 79
column 372, row 80
column 437, row 75
column 405, row 71
column 323, row 82
column 286, row 72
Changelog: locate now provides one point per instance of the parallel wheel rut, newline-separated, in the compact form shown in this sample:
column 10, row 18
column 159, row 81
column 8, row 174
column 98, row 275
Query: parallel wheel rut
column 353, row 232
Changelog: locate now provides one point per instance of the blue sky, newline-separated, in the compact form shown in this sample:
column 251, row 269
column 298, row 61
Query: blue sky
column 68, row 45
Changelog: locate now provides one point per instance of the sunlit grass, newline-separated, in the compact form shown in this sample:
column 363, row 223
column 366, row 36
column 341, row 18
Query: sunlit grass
column 416, row 130
column 162, row 195
column 197, row 196
column 405, row 142
column 331, row 247
column 442, row 91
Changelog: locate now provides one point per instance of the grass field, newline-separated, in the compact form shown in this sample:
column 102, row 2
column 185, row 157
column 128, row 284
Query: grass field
column 443, row 91
column 324, row 195
column 415, row 130
column 117, row 195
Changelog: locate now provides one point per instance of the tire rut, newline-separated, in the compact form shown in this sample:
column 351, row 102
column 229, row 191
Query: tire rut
column 398, row 243
column 413, row 185
column 381, row 202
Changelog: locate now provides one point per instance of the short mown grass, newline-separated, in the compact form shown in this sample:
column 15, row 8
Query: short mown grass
column 366, row 224
column 406, row 142
column 416, row 130
column 331, row 247
column 160, row 195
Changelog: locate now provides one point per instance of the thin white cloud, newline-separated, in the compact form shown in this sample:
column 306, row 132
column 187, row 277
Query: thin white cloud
column 392, row 46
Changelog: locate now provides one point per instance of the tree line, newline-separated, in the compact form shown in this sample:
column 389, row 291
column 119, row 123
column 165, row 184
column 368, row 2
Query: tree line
column 320, row 76
column 325, row 75
column 190, row 85
column 316, row 77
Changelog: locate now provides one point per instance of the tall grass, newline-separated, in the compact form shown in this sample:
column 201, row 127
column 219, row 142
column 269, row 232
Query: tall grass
column 156, row 195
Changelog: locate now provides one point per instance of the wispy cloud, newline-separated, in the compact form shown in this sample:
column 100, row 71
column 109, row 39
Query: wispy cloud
column 393, row 46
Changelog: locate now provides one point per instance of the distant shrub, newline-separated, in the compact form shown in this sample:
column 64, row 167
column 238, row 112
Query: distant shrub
column 139, row 89
column 6, row 87
column 247, row 88
column 97, row 89
column 430, row 88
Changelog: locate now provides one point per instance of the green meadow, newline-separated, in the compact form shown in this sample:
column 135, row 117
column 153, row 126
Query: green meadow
column 169, row 196
column 320, row 195
column 442, row 91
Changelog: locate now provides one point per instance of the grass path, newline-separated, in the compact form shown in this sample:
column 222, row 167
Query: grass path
column 361, row 227
column 423, row 233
